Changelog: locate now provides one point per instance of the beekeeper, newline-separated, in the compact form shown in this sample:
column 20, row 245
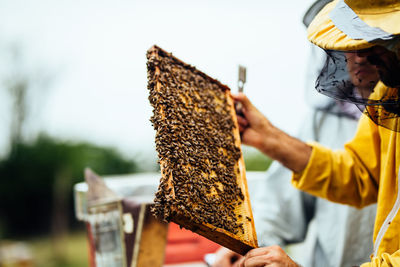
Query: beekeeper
column 366, row 170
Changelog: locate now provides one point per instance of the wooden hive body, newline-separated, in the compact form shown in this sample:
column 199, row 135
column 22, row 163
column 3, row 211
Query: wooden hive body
column 203, row 185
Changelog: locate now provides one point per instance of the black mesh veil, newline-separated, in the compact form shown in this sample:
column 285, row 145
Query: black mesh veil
column 316, row 62
column 356, row 77
column 346, row 77
column 337, row 107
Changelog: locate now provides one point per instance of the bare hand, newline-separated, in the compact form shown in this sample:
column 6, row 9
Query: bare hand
column 273, row 256
column 254, row 126
column 226, row 258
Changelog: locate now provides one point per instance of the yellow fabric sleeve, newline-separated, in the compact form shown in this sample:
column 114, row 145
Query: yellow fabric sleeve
column 385, row 260
column 348, row 176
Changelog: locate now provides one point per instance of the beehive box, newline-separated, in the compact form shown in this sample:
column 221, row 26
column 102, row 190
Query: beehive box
column 203, row 185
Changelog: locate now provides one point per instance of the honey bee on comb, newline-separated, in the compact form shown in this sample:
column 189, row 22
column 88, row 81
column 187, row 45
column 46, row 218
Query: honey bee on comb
column 203, row 185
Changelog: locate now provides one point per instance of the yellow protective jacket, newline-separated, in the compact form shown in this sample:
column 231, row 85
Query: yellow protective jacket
column 364, row 172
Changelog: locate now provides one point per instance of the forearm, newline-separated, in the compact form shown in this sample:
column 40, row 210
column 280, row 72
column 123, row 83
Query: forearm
column 289, row 151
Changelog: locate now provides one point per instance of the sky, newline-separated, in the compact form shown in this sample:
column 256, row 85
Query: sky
column 94, row 55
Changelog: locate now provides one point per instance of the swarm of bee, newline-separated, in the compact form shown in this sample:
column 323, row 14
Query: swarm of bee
column 195, row 144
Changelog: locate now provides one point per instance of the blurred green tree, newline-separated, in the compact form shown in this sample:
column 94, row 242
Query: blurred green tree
column 37, row 181
column 38, row 172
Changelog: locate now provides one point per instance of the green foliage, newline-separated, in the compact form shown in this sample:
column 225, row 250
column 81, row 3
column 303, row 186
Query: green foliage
column 33, row 175
column 255, row 160
column 74, row 253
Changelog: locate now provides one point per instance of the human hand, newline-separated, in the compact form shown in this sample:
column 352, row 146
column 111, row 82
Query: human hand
column 226, row 258
column 273, row 256
column 257, row 131
column 254, row 127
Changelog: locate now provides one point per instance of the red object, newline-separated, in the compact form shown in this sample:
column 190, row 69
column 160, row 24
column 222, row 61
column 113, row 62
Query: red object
column 91, row 246
column 186, row 246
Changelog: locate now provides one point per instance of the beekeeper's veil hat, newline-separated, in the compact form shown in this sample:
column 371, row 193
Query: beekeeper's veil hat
column 358, row 37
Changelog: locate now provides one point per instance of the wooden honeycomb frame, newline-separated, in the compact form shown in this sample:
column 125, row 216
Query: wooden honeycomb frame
column 168, row 209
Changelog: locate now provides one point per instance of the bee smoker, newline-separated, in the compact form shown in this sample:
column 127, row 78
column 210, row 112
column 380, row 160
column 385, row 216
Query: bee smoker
column 121, row 231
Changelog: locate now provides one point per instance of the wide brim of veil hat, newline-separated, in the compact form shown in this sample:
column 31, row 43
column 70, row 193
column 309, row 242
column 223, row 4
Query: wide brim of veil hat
column 342, row 24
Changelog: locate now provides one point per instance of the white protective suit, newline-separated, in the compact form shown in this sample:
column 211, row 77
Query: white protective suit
column 283, row 214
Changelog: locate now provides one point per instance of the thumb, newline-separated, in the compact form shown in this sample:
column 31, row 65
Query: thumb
column 242, row 98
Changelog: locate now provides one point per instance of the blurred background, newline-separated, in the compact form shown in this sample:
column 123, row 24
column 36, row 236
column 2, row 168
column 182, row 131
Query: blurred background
column 73, row 93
